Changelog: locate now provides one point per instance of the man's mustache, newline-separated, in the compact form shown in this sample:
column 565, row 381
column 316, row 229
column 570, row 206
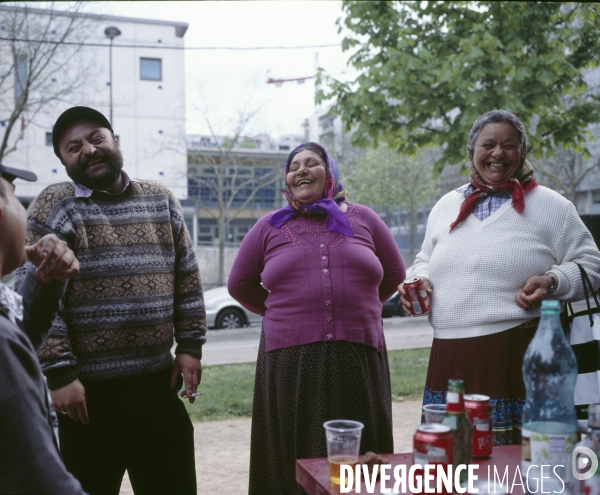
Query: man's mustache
column 98, row 155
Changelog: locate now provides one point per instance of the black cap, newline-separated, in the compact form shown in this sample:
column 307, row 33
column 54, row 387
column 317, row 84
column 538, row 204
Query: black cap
column 11, row 174
column 72, row 116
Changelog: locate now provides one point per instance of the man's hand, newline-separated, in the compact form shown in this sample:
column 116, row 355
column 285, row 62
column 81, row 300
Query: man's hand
column 408, row 309
column 533, row 292
column 71, row 399
column 53, row 259
column 191, row 369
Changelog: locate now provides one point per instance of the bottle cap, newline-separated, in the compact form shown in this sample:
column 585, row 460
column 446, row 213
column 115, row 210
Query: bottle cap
column 594, row 415
column 550, row 306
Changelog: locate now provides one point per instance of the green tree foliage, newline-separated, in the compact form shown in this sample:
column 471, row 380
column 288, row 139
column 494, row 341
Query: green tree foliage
column 429, row 69
column 384, row 177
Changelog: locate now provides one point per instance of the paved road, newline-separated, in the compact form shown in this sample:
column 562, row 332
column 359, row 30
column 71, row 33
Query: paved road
column 241, row 345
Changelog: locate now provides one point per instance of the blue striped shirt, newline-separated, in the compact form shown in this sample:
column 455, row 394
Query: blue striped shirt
column 487, row 205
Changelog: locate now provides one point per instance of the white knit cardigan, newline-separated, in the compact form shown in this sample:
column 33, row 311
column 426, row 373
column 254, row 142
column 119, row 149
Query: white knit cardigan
column 476, row 270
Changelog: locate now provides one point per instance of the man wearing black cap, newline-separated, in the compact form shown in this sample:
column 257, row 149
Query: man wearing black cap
column 29, row 458
column 108, row 357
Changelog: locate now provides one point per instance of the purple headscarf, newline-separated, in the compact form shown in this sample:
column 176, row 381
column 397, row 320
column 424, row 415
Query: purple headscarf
column 332, row 195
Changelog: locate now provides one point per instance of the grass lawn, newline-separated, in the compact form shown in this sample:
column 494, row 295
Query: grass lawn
column 227, row 390
column 408, row 370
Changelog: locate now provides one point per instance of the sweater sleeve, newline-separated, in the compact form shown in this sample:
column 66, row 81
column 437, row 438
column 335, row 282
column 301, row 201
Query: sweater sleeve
column 56, row 357
column 40, row 304
column 421, row 264
column 574, row 244
column 189, row 318
column 244, row 283
column 389, row 256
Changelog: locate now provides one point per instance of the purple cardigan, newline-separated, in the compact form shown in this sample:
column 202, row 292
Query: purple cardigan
column 322, row 286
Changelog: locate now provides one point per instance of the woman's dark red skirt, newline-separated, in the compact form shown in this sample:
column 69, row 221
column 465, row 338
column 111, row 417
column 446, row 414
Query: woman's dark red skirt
column 489, row 365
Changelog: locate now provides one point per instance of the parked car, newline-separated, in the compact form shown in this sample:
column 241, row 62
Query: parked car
column 223, row 311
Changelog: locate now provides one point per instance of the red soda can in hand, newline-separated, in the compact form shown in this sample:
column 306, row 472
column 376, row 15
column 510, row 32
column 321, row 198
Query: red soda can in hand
column 479, row 411
column 417, row 296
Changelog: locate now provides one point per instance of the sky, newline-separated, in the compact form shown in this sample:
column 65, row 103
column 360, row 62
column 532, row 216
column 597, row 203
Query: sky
column 219, row 83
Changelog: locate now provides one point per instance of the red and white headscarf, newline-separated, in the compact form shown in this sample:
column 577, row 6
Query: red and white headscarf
column 521, row 182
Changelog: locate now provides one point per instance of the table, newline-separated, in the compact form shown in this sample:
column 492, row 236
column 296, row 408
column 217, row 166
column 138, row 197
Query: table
column 313, row 474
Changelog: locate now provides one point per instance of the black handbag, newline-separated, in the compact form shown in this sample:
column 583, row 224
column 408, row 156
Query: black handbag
column 584, row 336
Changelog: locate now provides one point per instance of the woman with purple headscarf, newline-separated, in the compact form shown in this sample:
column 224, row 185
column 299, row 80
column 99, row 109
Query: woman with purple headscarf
column 318, row 270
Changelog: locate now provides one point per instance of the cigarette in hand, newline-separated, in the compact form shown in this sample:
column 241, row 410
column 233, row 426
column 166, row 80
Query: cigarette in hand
column 195, row 394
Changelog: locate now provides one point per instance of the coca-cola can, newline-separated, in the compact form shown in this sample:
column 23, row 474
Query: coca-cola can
column 417, row 295
column 479, row 410
column 433, row 444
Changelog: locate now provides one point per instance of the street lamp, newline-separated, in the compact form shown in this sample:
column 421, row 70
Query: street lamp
column 111, row 32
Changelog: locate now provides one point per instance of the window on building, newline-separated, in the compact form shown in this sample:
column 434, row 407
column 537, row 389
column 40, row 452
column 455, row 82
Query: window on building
column 596, row 196
column 20, row 76
column 240, row 232
column 151, row 69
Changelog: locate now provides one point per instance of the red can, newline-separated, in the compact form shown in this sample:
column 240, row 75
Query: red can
column 433, row 444
column 417, row 295
column 479, row 410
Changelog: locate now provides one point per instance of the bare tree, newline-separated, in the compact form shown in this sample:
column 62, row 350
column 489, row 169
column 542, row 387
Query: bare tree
column 35, row 47
column 230, row 178
column 566, row 171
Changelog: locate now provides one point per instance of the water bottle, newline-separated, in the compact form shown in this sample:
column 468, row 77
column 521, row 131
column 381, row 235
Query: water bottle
column 549, row 431
column 460, row 426
column 587, row 453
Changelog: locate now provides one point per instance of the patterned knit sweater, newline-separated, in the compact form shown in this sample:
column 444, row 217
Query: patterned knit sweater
column 138, row 283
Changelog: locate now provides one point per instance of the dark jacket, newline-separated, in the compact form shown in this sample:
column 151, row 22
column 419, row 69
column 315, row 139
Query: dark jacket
column 29, row 458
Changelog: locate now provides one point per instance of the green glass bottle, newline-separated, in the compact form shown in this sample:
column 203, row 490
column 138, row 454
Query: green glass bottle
column 456, row 418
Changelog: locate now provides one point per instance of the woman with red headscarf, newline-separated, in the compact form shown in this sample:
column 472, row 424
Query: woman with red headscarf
column 318, row 270
column 493, row 250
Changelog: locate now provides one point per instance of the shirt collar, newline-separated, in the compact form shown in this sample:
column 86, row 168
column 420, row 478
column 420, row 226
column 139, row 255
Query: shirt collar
column 85, row 192
column 469, row 188
column 11, row 303
column 465, row 190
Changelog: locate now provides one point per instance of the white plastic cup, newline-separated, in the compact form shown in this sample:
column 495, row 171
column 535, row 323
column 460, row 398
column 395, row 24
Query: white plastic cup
column 434, row 413
column 343, row 445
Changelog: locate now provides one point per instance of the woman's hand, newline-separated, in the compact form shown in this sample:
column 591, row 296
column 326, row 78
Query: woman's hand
column 533, row 292
column 406, row 305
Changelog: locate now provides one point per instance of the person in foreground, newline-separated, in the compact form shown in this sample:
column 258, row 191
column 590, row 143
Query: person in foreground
column 29, row 458
column 318, row 270
column 108, row 357
column 493, row 250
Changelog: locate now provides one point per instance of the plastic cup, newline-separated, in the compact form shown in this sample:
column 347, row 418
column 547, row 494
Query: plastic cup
column 343, row 444
column 434, row 413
